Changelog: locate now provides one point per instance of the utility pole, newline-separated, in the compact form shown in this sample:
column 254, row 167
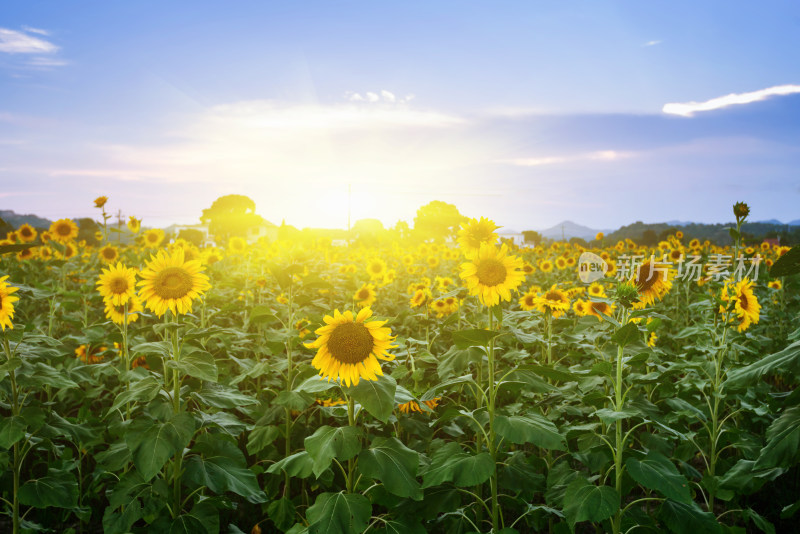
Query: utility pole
column 119, row 226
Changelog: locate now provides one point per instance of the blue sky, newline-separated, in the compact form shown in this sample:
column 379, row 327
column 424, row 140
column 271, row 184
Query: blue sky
column 526, row 112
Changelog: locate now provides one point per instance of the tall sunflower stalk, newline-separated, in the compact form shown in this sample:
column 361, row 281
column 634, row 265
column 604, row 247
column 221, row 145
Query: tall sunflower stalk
column 18, row 452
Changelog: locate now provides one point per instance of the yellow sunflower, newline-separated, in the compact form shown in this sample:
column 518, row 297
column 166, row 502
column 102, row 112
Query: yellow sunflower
column 109, row 254
column 596, row 290
column 413, row 406
column 579, row 307
column 117, row 284
column 99, row 202
column 528, row 301
column 26, row 254
column 651, row 282
column 546, row 266
column 492, row 274
column 117, row 313
column 477, row 232
column 598, row 308
column 365, row 296
column 153, row 238
column 26, row 233
column 237, row 245
column 63, row 230
column 376, row 268
column 554, row 301
column 7, row 301
column 134, row 224
column 171, row 283
column 746, row 306
column 349, row 347
column 420, row 297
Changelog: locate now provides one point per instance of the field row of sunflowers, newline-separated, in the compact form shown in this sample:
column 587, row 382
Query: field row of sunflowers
column 455, row 386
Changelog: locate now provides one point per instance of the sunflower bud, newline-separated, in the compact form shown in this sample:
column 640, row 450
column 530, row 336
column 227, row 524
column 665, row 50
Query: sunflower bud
column 627, row 294
column 741, row 210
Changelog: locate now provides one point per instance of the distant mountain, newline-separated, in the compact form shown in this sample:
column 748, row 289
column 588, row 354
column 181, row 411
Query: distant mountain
column 679, row 223
column 569, row 229
column 795, row 222
column 16, row 220
column 771, row 221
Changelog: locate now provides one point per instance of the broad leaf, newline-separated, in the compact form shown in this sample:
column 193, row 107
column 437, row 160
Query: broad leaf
column 221, row 466
column 394, row 464
column 152, row 443
column 375, row 396
column 328, row 443
column 473, row 338
column 531, row 428
column 199, row 364
column 656, row 472
column 684, row 518
column 58, row 489
column 451, row 464
column 339, row 513
column 586, row 502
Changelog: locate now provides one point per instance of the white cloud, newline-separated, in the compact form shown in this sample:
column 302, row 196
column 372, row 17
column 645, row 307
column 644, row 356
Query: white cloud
column 35, row 30
column 41, row 61
column 384, row 96
column 688, row 109
column 600, row 155
column 15, row 42
column 652, row 43
column 387, row 96
column 372, row 97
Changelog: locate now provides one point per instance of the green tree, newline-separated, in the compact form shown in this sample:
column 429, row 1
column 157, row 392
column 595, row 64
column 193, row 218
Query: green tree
column 438, row 220
column 231, row 215
column 369, row 232
column 532, row 236
column 192, row 235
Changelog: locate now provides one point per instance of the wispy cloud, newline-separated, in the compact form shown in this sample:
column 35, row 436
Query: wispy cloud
column 383, row 96
column 652, row 43
column 16, row 42
column 35, row 30
column 599, row 155
column 688, row 109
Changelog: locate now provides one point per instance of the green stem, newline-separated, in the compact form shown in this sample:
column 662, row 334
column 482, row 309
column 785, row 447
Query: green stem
column 620, row 442
column 351, row 420
column 176, row 408
column 17, row 456
column 289, row 378
column 492, row 441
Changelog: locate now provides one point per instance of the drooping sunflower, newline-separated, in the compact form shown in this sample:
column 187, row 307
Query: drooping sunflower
column 492, row 274
column 117, row 313
column 7, row 301
column 134, row 224
column 153, row 238
column 117, row 284
column 171, row 283
column 476, row 232
column 653, row 281
column 26, row 233
column 63, row 230
column 365, row 296
column 99, row 202
column 108, row 254
column 554, row 301
column 349, row 347
column 413, row 406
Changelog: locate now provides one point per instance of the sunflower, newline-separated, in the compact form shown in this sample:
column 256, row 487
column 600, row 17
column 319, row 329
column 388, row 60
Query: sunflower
column 492, row 274
column 476, row 232
column 45, row 253
column 117, row 313
column 26, row 233
column 26, row 254
column 775, row 284
column 651, row 282
column 420, row 297
column 134, row 224
column 651, row 341
column 237, row 245
column 7, row 301
column 99, row 202
column 63, row 230
column 90, row 354
column 598, row 309
column 365, row 296
column 746, row 306
column 561, row 263
column 117, row 284
column 546, row 266
column 169, row 282
column 554, row 301
column 579, row 307
column 349, row 347
column 413, row 406
column 108, row 254
column 376, row 268
column 70, row 251
column 528, row 301
column 443, row 283
column 527, row 268
column 596, row 290
column 153, row 238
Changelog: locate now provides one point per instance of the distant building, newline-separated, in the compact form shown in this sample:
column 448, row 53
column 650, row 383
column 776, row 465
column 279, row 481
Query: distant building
column 265, row 230
column 175, row 229
column 774, row 241
column 515, row 237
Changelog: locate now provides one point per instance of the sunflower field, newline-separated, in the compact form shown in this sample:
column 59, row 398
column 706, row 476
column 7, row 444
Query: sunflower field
column 457, row 385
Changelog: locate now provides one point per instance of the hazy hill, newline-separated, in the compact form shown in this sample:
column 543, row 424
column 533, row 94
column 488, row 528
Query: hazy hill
column 569, row 229
column 16, row 220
